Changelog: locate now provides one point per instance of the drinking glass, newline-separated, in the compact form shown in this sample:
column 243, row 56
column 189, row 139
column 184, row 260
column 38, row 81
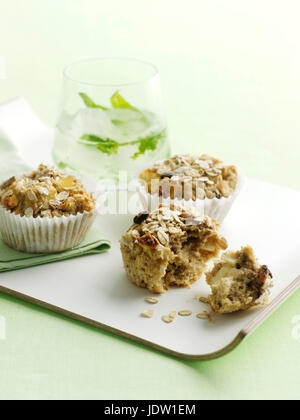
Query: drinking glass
column 111, row 118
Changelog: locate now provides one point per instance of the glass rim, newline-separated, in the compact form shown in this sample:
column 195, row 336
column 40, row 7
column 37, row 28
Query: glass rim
column 99, row 59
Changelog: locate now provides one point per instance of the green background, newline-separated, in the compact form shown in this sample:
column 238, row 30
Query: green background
column 230, row 74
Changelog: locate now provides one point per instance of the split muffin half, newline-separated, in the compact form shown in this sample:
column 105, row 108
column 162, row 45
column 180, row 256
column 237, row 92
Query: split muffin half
column 238, row 282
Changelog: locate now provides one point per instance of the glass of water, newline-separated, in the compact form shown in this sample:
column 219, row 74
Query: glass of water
column 111, row 119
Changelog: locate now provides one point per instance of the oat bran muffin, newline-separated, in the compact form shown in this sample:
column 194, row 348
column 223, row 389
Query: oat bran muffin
column 203, row 182
column 45, row 211
column 169, row 247
column 238, row 282
column 47, row 192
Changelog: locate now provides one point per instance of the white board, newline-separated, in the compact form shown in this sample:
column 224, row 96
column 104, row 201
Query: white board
column 95, row 289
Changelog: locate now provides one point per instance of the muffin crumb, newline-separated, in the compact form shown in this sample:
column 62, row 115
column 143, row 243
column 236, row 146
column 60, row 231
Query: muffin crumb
column 238, row 282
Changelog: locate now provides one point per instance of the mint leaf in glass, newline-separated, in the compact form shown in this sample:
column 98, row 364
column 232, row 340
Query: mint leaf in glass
column 90, row 103
column 128, row 122
column 148, row 143
column 107, row 146
column 118, row 101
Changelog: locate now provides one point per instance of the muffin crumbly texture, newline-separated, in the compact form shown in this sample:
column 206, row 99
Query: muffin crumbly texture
column 238, row 282
column 169, row 247
column 191, row 178
column 45, row 193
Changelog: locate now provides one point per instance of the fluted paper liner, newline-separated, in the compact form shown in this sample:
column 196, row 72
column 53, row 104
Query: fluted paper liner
column 44, row 235
column 216, row 208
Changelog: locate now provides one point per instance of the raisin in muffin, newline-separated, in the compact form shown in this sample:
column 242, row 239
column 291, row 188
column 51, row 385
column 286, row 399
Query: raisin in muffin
column 45, row 211
column 203, row 181
column 169, row 247
column 238, row 282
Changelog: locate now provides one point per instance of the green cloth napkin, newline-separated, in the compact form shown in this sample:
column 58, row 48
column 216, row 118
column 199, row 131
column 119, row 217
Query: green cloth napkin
column 15, row 260
column 11, row 164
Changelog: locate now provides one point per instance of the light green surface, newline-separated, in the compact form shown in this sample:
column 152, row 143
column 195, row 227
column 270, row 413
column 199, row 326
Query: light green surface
column 231, row 81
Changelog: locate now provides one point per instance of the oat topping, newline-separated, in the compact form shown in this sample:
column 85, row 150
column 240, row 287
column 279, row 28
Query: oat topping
column 156, row 229
column 187, row 177
column 45, row 193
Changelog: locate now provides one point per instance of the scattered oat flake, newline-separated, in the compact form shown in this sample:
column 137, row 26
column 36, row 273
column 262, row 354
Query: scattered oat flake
column 148, row 313
column 202, row 315
column 185, row 313
column 172, row 314
column 205, row 315
column 203, row 299
column 152, row 301
column 167, row 319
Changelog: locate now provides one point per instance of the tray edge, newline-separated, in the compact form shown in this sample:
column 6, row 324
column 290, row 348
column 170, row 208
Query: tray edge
column 244, row 333
column 231, row 346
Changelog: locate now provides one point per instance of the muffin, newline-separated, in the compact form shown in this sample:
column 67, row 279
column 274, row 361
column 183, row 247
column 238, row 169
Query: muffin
column 238, row 282
column 169, row 247
column 45, row 211
column 204, row 182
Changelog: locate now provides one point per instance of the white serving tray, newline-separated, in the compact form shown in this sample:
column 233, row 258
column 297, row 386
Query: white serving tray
column 95, row 290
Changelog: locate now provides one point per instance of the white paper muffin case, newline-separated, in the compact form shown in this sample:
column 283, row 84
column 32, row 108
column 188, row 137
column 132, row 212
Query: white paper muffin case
column 44, row 235
column 215, row 208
